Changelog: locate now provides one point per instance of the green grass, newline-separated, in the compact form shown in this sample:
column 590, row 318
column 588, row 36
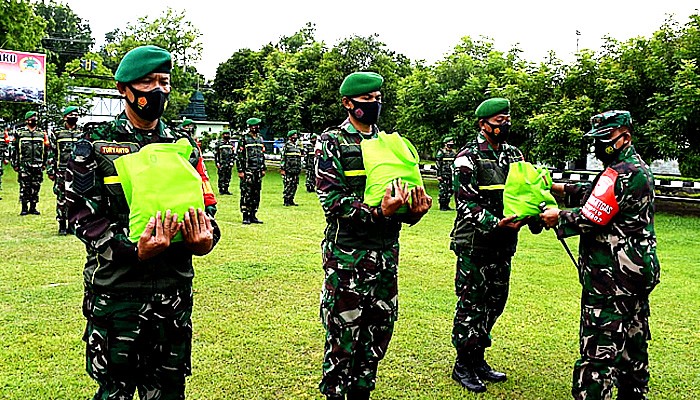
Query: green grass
column 257, row 334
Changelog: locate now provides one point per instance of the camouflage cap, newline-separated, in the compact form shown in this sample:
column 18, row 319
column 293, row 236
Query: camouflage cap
column 359, row 83
column 69, row 110
column 604, row 123
column 292, row 132
column 493, row 106
column 253, row 121
column 141, row 61
column 29, row 114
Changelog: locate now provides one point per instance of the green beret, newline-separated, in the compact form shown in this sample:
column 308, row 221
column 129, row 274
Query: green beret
column 186, row 122
column 225, row 133
column 142, row 61
column 69, row 110
column 29, row 114
column 292, row 132
column 253, row 121
column 359, row 83
column 604, row 123
column 489, row 108
column 447, row 140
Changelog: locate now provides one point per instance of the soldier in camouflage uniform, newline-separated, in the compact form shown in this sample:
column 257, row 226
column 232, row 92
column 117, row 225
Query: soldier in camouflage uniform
column 444, row 159
column 484, row 241
column 60, row 149
column 29, row 160
column 309, row 167
column 225, row 159
column 290, row 167
column 251, row 169
column 618, row 266
column 4, row 155
column 138, row 296
column 360, row 249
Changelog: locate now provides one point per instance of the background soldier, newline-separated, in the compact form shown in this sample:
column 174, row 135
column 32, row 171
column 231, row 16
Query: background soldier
column 618, row 266
column 187, row 125
column 361, row 247
column 225, row 158
column 138, row 296
column 309, row 157
column 60, row 149
column 290, row 167
column 29, row 160
column 484, row 242
column 4, row 155
column 251, row 169
column 444, row 159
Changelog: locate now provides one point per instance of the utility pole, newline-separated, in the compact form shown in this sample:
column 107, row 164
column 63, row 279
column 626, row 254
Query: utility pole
column 578, row 34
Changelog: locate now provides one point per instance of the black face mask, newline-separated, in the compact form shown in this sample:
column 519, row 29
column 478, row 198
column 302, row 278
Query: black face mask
column 604, row 149
column 499, row 133
column 227, row 138
column 31, row 123
column 366, row 112
column 72, row 121
column 148, row 105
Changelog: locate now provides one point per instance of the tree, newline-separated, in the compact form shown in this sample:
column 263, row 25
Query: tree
column 68, row 37
column 89, row 71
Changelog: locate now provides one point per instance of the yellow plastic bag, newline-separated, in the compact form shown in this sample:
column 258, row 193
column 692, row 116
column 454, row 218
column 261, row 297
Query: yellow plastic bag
column 157, row 178
column 526, row 188
column 386, row 158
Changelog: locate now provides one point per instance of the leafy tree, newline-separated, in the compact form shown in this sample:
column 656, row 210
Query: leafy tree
column 68, row 37
column 96, row 76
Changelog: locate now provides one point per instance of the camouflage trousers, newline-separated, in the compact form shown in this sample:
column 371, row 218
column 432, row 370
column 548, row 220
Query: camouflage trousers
column 224, row 178
column 481, row 286
column 139, row 343
column 310, row 180
column 613, row 344
column 359, row 305
column 59, row 189
column 291, row 182
column 29, row 179
column 251, row 184
column 445, row 190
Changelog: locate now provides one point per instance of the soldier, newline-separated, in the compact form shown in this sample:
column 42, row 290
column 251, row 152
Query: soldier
column 361, row 247
column 309, row 157
column 187, row 125
column 60, row 149
column 29, row 160
column 290, row 167
column 138, row 296
column 444, row 159
column 225, row 159
column 251, row 169
column 618, row 266
column 484, row 242
column 4, row 155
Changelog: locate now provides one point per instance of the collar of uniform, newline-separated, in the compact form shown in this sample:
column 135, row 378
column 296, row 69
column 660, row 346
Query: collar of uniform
column 159, row 129
column 349, row 128
column 483, row 143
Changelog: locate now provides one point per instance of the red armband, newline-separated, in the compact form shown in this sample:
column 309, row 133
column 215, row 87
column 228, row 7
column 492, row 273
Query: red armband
column 602, row 205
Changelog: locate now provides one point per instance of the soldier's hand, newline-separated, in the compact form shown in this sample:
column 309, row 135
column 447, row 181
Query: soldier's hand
column 198, row 232
column 53, row 178
column 510, row 223
column 550, row 217
column 218, row 165
column 282, row 172
column 439, row 178
column 241, row 175
column 151, row 245
column 395, row 196
column 263, row 172
column 420, row 201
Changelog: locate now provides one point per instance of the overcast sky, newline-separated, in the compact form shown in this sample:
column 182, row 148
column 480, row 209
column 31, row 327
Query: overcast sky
column 420, row 30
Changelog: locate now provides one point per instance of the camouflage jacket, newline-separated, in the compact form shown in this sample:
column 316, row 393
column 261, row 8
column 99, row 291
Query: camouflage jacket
column 444, row 160
column 225, row 153
column 291, row 158
column 309, row 156
column 479, row 179
column 251, row 154
column 60, row 148
column 29, row 148
column 617, row 251
column 98, row 208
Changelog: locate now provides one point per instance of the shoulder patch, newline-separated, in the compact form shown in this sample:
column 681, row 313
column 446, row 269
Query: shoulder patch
column 602, row 205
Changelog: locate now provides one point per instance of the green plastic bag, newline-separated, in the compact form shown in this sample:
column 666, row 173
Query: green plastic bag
column 526, row 188
column 386, row 158
column 157, row 178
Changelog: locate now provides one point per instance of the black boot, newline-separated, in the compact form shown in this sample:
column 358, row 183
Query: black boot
column 254, row 219
column 358, row 394
column 627, row 394
column 62, row 228
column 33, row 210
column 24, row 209
column 463, row 372
column 484, row 370
column 335, row 397
column 246, row 218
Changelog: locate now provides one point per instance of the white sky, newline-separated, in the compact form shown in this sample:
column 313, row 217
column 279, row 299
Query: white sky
column 423, row 29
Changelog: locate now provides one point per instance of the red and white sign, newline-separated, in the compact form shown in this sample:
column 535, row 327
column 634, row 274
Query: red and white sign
column 22, row 77
column 602, row 205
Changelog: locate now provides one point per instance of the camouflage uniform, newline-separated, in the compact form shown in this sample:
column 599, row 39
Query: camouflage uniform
column 29, row 160
column 250, row 161
column 138, row 330
column 225, row 159
column 290, row 163
column 618, row 268
column 60, row 149
column 443, row 161
column 483, row 250
column 4, row 157
column 359, row 302
column 309, row 168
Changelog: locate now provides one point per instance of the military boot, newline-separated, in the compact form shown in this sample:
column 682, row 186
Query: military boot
column 246, row 218
column 629, row 394
column 335, row 397
column 24, row 209
column 254, row 219
column 62, row 228
column 32, row 209
column 484, row 370
column 358, row 394
column 463, row 372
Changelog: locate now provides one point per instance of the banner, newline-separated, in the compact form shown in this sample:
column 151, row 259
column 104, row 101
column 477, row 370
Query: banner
column 22, row 77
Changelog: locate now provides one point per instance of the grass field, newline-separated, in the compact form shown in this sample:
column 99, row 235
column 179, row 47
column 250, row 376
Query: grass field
column 257, row 333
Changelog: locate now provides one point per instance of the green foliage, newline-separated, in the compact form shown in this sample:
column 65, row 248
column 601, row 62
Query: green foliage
column 84, row 78
column 21, row 29
column 68, row 37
